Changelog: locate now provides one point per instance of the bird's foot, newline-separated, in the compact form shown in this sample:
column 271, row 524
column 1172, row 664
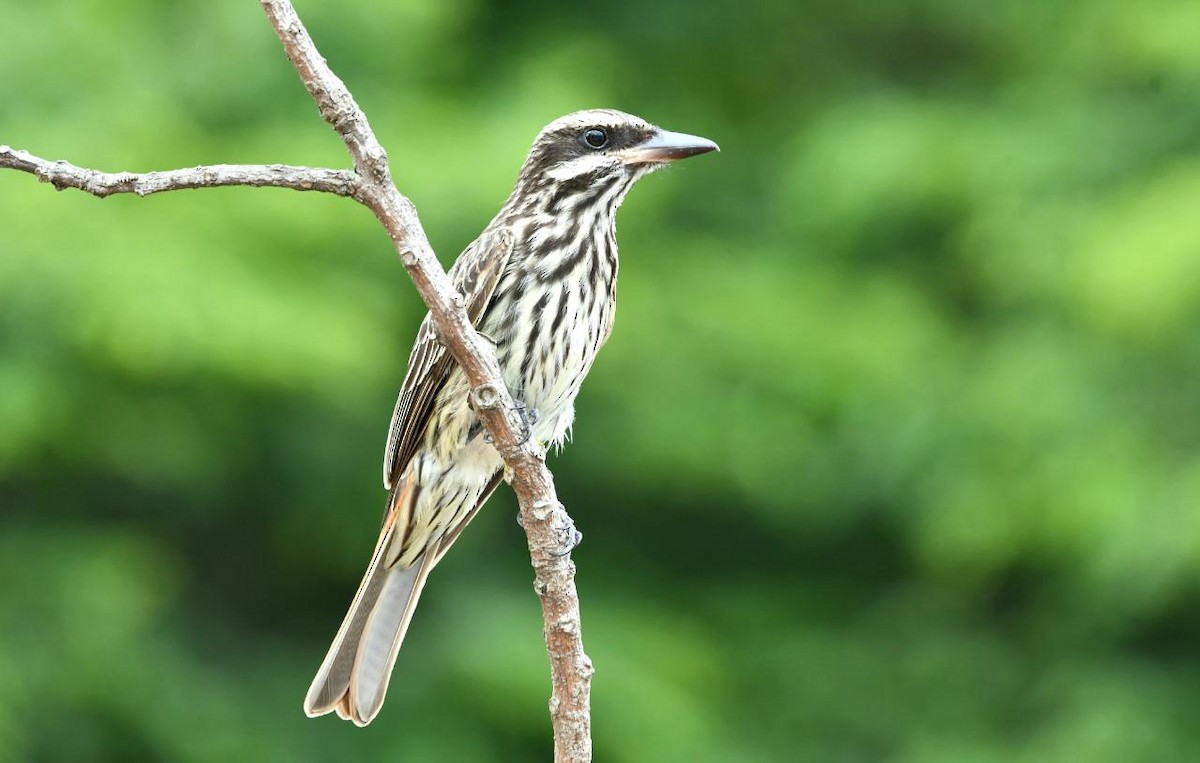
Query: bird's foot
column 487, row 338
column 571, row 536
column 529, row 417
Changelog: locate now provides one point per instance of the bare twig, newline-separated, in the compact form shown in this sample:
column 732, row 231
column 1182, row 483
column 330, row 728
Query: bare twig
column 547, row 525
column 64, row 175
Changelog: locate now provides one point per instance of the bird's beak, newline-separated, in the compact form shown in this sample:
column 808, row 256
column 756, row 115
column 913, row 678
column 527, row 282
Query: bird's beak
column 666, row 146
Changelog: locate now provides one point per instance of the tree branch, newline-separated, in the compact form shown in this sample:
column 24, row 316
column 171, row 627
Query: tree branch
column 63, row 175
column 547, row 525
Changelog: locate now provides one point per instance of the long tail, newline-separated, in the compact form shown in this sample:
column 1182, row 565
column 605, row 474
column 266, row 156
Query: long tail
column 354, row 677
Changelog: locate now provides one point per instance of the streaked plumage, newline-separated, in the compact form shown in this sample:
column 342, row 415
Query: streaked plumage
column 540, row 283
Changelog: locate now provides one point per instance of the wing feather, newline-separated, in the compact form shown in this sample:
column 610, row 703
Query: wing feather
column 475, row 275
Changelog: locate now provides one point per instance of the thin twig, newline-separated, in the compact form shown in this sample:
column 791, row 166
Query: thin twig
column 63, row 175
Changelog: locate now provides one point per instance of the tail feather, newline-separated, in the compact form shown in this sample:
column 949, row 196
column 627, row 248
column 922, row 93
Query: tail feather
column 382, row 636
column 354, row 676
column 353, row 679
column 333, row 678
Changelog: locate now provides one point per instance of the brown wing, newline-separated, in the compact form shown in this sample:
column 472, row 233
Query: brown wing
column 475, row 275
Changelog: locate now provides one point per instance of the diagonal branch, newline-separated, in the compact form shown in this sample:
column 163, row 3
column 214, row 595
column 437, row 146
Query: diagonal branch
column 63, row 175
column 547, row 525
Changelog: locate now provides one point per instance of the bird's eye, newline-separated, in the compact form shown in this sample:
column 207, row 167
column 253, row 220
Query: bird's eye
column 596, row 138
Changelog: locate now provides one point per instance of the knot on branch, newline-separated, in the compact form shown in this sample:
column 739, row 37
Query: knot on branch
column 484, row 397
column 125, row 182
column 568, row 624
column 341, row 120
column 377, row 160
column 59, row 176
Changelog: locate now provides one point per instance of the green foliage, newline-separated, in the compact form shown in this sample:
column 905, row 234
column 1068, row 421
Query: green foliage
column 893, row 455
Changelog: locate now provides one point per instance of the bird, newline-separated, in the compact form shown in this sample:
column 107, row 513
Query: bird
column 539, row 284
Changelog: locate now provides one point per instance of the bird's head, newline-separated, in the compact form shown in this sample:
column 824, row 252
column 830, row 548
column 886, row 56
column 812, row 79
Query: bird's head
column 587, row 147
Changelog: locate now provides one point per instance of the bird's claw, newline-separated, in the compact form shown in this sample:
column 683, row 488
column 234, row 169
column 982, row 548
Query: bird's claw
column 529, row 417
column 573, row 537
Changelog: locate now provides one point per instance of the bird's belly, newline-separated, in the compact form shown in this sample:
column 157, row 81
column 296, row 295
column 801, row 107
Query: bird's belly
column 546, row 374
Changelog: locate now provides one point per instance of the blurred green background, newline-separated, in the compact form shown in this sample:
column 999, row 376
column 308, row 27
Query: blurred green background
column 893, row 456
